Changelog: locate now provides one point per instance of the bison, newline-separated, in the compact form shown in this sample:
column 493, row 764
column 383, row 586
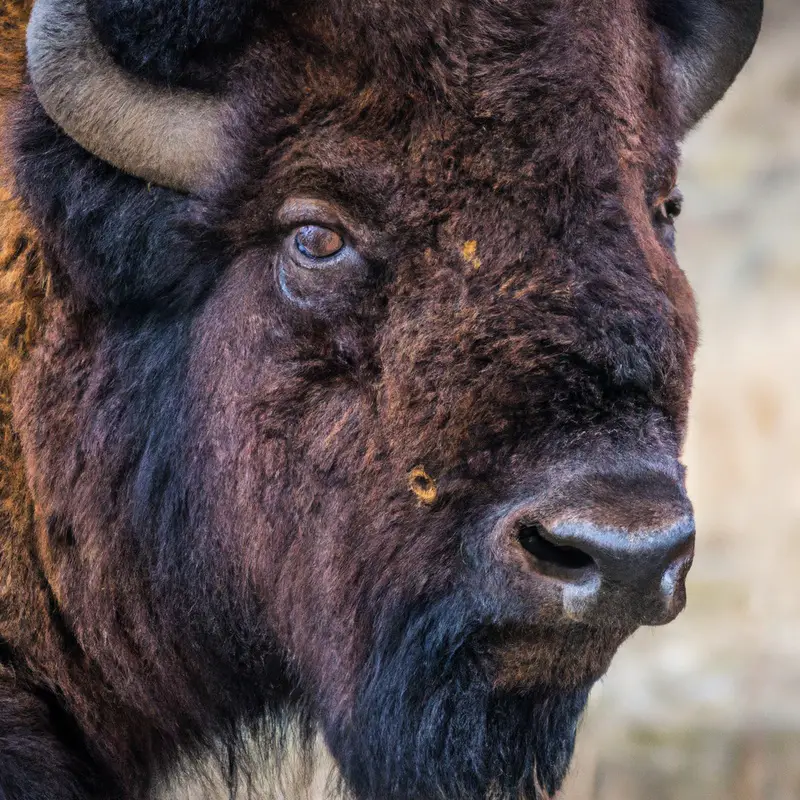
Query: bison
column 349, row 363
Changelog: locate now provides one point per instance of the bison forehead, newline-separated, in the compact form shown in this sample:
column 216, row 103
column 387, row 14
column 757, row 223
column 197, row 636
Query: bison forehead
column 514, row 46
column 557, row 71
column 542, row 102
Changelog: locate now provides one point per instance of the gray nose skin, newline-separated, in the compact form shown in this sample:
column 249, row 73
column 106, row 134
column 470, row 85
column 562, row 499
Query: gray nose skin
column 612, row 576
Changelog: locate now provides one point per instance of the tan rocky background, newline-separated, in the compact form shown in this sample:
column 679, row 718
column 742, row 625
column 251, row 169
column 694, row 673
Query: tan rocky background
column 708, row 708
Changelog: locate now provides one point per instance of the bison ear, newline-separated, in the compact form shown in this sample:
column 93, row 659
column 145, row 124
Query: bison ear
column 709, row 41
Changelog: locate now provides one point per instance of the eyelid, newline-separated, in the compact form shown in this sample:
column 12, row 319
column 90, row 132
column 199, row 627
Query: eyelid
column 299, row 211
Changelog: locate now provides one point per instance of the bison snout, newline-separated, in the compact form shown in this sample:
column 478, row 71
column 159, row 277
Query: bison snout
column 607, row 575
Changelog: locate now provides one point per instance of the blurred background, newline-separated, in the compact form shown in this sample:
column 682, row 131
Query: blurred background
column 709, row 706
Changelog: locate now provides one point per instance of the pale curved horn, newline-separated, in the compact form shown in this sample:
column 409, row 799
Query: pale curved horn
column 170, row 137
column 711, row 41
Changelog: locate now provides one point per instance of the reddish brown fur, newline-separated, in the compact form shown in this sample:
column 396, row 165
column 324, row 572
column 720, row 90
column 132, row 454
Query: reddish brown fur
column 22, row 281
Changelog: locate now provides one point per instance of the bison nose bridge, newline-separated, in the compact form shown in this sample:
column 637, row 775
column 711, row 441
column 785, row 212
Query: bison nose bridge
column 602, row 572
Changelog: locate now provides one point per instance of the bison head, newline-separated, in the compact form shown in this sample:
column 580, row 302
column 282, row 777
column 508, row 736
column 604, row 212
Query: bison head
column 363, row 391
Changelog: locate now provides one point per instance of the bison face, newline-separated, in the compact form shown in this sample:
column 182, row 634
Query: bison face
column 439, row 397
column 398, row 396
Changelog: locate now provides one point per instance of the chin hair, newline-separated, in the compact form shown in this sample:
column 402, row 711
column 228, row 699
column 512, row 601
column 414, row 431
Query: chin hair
column 427, row 720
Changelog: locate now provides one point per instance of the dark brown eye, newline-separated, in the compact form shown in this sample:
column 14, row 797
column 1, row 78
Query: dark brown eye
column 314, row 241
column 671, row 208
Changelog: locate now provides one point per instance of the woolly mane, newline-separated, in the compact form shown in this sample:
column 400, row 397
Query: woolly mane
column 22, row 279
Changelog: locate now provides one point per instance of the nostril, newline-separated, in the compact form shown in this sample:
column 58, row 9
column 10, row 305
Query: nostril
column 533, row 538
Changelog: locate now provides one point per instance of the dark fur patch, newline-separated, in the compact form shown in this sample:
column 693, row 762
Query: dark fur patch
column 185, row 44
column 676, row 17
column 428, row 722
column 124, row 244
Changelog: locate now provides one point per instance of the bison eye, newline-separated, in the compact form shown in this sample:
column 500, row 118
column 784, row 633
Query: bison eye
column 316, row 242
column 318, row 266
column 671, row 208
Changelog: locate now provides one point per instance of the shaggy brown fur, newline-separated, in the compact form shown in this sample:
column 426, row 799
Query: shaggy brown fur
column 13, row 18
column 22, row 280
column 273, row 487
